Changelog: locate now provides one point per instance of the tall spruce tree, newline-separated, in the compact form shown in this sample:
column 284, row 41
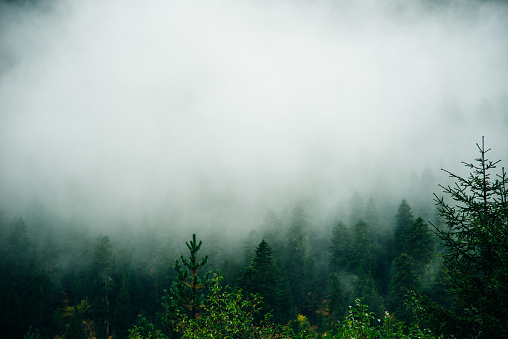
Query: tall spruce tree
column 186, row 296
column 260, row 277
column 404, row 219
column 476, row 253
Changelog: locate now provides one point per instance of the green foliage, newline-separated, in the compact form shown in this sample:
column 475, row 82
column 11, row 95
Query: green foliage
column 297, row 253
column 340, row 247
column 403, row 281
column 363, row 260
column 361, row 323
column 261, row 277
column 404, row 220
column 476, row 249
column 32, row 334
column 336, row 303
column 75, row 327
column 102, row 286
column 186, row 297
column 145, row 330
column 122, row 314
column 229, row 314
column 420, row 245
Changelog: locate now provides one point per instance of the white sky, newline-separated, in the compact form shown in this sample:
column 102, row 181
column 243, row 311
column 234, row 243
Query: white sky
column 125, row 107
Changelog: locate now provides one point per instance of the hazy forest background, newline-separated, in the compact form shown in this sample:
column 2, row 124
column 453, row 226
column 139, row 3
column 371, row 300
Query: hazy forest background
column 301, row 141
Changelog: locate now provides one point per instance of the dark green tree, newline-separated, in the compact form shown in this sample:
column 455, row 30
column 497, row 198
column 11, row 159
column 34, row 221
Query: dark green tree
column 403, row 281
column 296, row 254
column 122, row 314
column 340, row 248
column 102, row 286
column 186, row 297
column 404, row 220
column 34, row 289
column 420, row 246
column 363, row 260
column 337, row 300
column 260, row 277
column 300, row 263
column 476, row 253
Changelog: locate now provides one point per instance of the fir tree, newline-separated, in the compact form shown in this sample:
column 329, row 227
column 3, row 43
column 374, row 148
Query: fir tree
column 297, row 253
column 476, row 254
column 420, row 246
column 363, row 261
column 404, row 220
column 260, row 277
column 186, row 296
column 337, row 302
column 340, row 248
column 403, row 281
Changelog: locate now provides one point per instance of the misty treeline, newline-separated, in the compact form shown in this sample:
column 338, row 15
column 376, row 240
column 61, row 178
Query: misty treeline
column 417, row 270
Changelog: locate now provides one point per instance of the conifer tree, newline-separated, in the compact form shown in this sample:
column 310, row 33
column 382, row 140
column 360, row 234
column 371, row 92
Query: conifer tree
column 186, row 296
column 102, row 285
column 123, row 314
column 420, row 246
column 260, row 277
column 297, row 253
column 476, row 253
column 337, row 302
column 404, row 220
column 340, row 247
column 403, row 281
column 363, row 261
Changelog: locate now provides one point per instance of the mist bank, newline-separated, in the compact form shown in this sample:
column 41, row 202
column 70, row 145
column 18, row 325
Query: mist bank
column 211, row 114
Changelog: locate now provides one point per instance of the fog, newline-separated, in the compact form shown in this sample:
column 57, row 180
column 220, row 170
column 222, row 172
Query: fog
column 204, row 113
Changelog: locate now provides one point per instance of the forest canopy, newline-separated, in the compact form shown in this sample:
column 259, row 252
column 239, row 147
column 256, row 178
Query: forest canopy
column 289, row 278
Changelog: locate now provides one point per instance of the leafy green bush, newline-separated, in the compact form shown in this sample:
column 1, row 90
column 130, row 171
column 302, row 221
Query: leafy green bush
column 360, row 323
column 228, row 314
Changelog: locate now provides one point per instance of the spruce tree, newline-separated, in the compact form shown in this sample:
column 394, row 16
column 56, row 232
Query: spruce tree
column 340, row 248
column 404, row 220
column 363, row 260
column 403, row 281
column 186, row 296
column 260, row 277
column 476, row 253
column 337, row 302
column 297, row 252
column 420, row 246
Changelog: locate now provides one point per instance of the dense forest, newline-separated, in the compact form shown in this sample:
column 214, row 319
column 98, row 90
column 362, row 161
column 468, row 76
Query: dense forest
column 365, row 276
